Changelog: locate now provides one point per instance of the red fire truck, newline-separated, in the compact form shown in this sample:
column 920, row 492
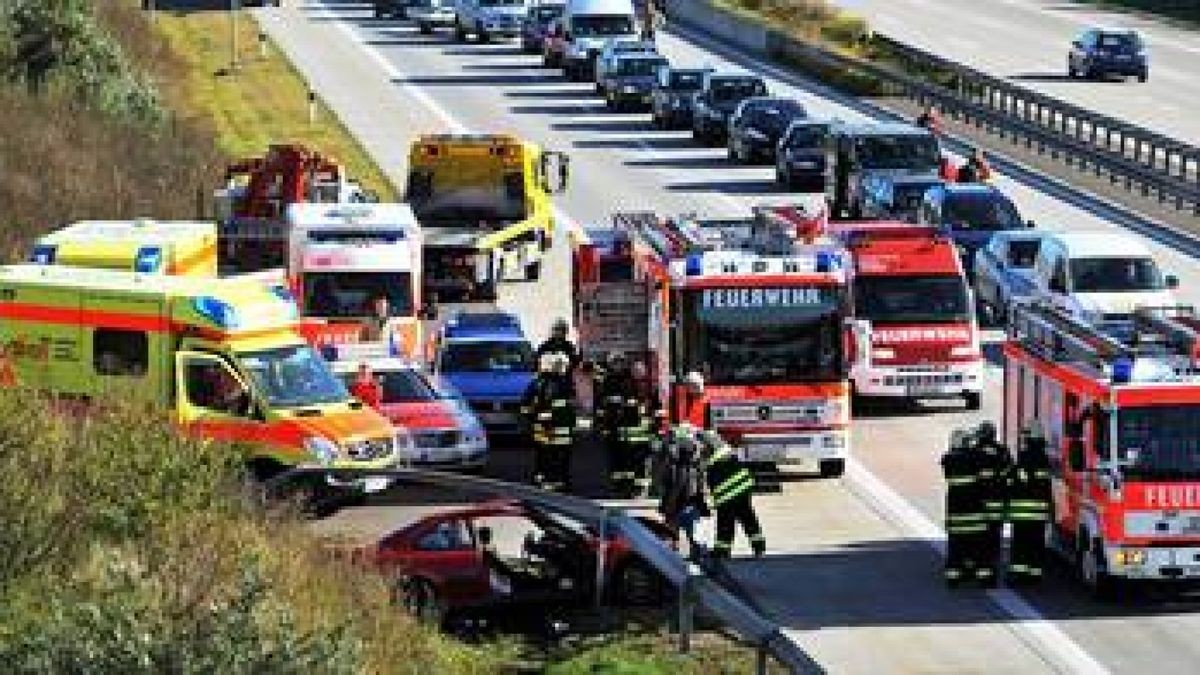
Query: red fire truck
column 755, row 309
column 915, row 333
column 1121, row 414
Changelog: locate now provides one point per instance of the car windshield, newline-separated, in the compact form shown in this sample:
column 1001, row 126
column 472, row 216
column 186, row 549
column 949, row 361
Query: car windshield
column 806, row 136
column 1120, row 41
column 601, row 25
column 911, row 299
column 909, row 195
column 345, row 295
column 736, row 89
column 293, row 377
column 774, row 116
column 443, row 196
column 1114, row 275
column 639, row 67
column 487, row 357
column 1159, row 441
column 763, row 335
column 902, row 151
column 1022, row 253
column 685, row 81
column 987, row 212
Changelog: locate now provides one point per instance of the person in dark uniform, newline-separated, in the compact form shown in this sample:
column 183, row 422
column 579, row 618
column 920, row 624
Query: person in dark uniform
column 966, row 524
column 1027, row 507
column 559, row 343
column 731, row 485
column 550, row 405
column 680, row 481
column 649, row 417
column 994, row 461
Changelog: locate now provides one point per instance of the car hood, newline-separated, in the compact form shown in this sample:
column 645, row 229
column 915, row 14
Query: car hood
column 507, row 385
column 1122, row 302
column 423, row 415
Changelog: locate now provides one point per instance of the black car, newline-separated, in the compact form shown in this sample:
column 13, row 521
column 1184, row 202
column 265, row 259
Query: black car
column 674, row 93
column 800, row 158
column 758, row 124
column 630, row 83
column 1099, row 53
column 718, row 97
column 396, row 9
column 536, row 25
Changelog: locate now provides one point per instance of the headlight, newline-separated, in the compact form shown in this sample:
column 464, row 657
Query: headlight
column 322, row 449
column 883, row 353
column 1130, row 557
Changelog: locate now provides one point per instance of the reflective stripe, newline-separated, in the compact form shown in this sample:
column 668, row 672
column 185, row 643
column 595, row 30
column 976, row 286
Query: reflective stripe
column 966, row 529
column 722, row 545
column 983, row 572
column 720, row 455
column 1029, row 516
column 559, row 403
column 964, row 517
column 741, row 476
column 758, row 537
column 733, row 491
column 952, row 573
column 962, row 480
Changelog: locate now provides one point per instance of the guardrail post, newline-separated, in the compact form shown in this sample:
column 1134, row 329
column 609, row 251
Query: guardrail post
column 687, row 609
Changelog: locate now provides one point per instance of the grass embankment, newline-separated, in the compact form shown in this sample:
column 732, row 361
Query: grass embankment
column 264, row 101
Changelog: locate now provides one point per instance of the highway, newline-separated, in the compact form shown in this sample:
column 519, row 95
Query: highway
column 853, row 568
column 1027, row 41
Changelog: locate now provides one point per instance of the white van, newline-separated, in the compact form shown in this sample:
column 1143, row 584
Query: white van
column 1100, row 277
column 587, row 25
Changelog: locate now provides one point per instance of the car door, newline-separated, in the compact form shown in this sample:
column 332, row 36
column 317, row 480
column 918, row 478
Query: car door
column 445, row 553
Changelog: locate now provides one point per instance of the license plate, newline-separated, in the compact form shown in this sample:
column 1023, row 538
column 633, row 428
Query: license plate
column 924, row 390
column 375, row 484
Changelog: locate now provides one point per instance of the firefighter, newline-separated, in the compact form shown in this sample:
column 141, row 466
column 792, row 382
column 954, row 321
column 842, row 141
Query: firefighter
column 559, row 343
column 612, row 391
column 965, row 519
column 994, row 461
column 550, row 404
column 680, row 481
column 650, row 419
column 1027, row 507
column 731, row 486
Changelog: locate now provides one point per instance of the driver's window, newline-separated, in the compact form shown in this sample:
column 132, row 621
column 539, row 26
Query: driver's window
column 210, row 384
column 451, row 535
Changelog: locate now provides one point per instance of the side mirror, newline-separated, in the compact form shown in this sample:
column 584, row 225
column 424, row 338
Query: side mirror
column 1172, row 281
column 1075, row 455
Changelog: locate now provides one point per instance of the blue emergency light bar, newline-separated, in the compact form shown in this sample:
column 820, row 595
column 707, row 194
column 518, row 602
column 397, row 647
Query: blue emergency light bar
column 148, row 260
column 482, row 324
column 217, row 311
column 44, row 254
column 1122, row 371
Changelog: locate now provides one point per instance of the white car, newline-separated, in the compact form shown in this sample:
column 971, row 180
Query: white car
column 1100, row 277
column 585, row 27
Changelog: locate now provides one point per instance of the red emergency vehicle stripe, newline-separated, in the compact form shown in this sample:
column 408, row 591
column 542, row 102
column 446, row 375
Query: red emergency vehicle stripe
column 67, row 316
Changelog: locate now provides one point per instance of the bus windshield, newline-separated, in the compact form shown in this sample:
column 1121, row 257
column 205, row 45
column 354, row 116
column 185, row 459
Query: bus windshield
column 911, row 299
column 1159, row 441
column 763, row 335
column 903, row 151
column 293, row 377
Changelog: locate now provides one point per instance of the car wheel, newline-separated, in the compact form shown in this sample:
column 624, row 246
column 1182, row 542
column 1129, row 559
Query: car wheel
column 460, row 33
column 420, row 599
column 481, row 35
column 1143, row 76
column 640, row 585
column 832, row 468
column 425, row 28
column 973, row 400
column 731, row 150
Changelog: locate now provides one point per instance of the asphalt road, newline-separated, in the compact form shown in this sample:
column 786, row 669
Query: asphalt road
column 853, row 568
column 1027, row 41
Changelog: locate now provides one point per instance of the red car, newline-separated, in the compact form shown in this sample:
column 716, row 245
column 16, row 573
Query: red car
column 451, row 562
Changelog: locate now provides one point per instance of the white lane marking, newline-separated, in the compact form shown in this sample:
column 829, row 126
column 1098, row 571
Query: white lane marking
column 1051, row 642
column 561, row 218
column 1040, row 634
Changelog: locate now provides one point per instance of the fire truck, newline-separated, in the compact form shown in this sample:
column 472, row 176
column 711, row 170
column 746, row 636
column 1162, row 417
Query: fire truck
column 342, row 257
column 1121, row 415
column 755, row 308
column 253, row 203
column 483, row 201
column 915, row 332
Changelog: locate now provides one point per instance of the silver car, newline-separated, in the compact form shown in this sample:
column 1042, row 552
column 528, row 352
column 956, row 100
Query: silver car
column 1004, row 272
column 606, row 62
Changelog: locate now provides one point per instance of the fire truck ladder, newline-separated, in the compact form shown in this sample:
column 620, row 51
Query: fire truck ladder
column 1058, row 336
column 771, row 230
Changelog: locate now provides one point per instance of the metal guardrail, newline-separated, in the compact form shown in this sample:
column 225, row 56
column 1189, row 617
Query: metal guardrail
column 1142, row 160
column 696, row 590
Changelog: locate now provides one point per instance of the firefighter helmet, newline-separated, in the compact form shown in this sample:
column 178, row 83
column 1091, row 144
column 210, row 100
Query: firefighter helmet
column 960, row 439
column 694, row 381
column 559, row 328
column 985, row 432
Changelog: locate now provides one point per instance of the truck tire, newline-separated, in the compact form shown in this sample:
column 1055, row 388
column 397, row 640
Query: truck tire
column 973, row 400
column 832, row 468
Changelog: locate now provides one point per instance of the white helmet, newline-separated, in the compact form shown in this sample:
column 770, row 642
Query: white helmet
column 694, row 381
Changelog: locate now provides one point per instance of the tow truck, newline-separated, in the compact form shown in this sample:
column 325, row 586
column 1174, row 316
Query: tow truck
column 1121, row 416
column 915, row 334
column 483, row 202
column 252, row 206
column 755, row 308
column 342, row 257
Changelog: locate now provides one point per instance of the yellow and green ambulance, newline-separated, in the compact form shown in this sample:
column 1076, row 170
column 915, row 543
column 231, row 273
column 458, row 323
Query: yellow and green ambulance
column 181, row 248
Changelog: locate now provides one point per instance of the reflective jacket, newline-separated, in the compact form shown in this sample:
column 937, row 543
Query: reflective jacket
column 727, row 477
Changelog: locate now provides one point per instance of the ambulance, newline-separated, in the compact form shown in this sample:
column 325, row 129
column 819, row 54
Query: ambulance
column 181, row 248
column 222, row 355
column 344, row 257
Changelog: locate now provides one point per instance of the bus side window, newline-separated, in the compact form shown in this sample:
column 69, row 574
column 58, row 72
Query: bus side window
column 120, row 353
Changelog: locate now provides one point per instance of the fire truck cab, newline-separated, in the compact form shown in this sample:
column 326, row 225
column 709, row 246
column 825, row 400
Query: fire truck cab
column 343, row 258
column 1121, row 416
column 754, row 308
column 915, row 332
